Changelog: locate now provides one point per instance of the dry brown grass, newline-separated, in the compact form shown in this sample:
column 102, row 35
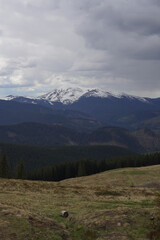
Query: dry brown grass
column 111, row 205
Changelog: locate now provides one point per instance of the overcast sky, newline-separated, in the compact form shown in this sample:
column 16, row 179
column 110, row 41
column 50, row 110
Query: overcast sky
column 109, row 44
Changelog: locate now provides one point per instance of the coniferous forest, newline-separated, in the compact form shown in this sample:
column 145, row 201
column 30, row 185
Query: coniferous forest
column 71, row 169
column 87, row 167
column 36, row 157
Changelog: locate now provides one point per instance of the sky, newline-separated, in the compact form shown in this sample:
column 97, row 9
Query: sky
column 108, row 44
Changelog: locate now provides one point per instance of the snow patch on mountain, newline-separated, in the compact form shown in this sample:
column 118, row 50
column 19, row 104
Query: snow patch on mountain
column 97, row 93
column 9, row 97
column 131, row 97
column 104, row 94
column 66, row 96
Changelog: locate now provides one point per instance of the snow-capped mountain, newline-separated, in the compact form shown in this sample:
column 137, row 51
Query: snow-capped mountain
column 71, row 95
column 99, row 105
column 65, row 96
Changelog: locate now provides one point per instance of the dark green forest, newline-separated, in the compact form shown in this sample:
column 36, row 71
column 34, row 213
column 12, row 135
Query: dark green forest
column 77, row 168
column 35, row 157
column 87, row 167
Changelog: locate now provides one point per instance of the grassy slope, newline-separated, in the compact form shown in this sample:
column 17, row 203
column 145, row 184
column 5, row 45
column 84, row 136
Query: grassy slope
column 112, row 205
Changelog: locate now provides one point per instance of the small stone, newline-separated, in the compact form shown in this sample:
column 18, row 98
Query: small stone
column 119, row 224
column 64, row 214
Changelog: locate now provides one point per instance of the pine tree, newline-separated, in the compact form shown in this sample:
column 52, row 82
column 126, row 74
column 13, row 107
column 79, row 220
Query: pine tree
column 81, row 169
column 68, row 170
column 21, row 173
column 4, row 167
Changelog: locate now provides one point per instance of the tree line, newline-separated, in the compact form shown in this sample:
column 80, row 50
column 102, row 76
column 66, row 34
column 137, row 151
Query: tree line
column 5, row 170
column 35, row 157
column 87, row 167
column 78, row 168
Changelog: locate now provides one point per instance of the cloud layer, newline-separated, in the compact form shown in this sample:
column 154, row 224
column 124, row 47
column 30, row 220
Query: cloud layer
column 113, row 44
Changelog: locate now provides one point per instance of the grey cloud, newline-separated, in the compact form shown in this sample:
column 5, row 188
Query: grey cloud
column 113, row 43
column 128, row 32
column 104, row 25
column 156, row 2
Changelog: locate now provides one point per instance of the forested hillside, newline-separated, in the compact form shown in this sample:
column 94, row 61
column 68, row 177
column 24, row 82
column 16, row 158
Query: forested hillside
column 35, row 157
column 47, row 135
column 87, row 167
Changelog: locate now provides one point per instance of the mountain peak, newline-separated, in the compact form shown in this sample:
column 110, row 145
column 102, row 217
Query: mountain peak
column 97, row 93
column 70, row 95
column 10, row 97
column 65, row 96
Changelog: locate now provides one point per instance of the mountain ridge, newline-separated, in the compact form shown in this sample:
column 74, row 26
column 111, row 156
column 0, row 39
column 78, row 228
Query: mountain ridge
column 71, row 95
column 90, row 109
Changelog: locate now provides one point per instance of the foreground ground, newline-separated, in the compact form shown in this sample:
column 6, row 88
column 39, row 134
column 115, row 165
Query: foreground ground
column 113, row 205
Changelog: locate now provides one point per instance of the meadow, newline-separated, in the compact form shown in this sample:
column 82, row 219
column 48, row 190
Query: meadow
column 115, row 205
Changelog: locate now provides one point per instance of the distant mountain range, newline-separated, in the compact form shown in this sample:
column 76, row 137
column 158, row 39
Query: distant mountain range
column 95, row 106
column 78, row 117
column 71, row 95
